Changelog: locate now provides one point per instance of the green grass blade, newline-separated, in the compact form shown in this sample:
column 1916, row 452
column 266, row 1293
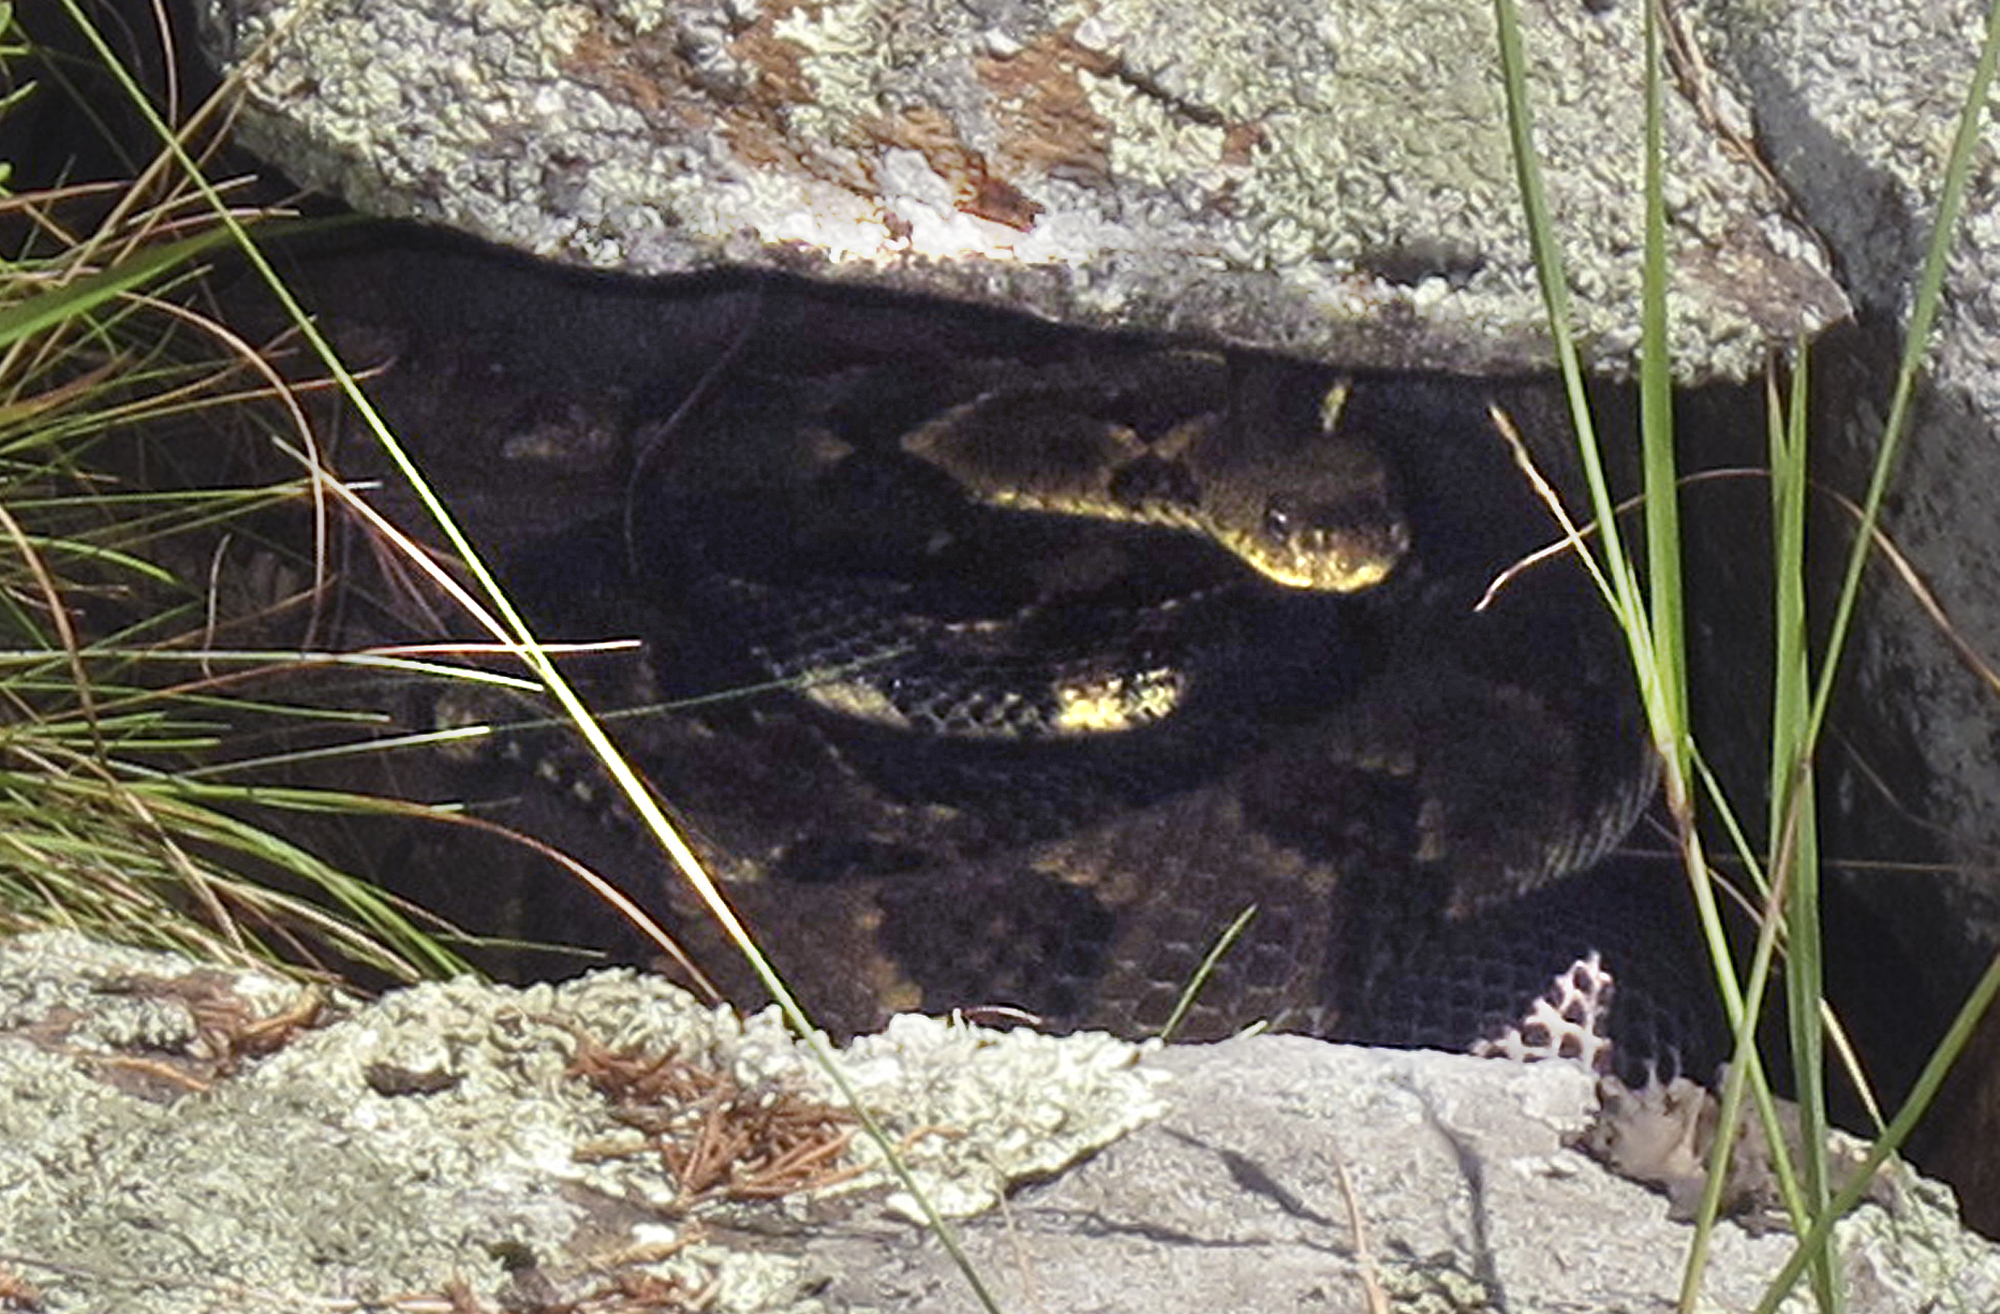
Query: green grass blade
column 1223, row 943
column 1790, row 863
column 1555, row 298
column 1928, row 295
column 71, row 301
column 1658, row 666
column 1794, row 856
column 1925, row 1089
column 1656, row 432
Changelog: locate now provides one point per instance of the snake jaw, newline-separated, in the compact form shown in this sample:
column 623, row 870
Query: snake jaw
column 1340, row 561
column 1343, row 544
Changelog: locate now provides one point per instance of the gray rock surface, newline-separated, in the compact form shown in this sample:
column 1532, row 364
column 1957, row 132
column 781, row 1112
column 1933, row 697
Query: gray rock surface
column 440, row 1141
column 1855, row 106
column 1332, row 183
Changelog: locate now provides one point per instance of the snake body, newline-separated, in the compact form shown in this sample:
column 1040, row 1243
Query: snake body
column 1070, row 636
column 1041, row 737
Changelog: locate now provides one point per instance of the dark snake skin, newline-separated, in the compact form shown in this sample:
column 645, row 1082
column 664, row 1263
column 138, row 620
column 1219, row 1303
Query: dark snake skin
column 1416, row 798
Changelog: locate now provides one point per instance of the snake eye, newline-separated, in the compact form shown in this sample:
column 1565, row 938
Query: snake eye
column 1281, row 519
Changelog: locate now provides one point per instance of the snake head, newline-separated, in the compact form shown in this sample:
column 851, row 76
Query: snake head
column 1335, row 528
column 1309, row 505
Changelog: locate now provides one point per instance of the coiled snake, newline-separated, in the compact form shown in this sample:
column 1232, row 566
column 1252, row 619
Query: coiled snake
column 1082, row 663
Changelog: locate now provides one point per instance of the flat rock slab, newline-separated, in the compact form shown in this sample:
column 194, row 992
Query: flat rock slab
column 1333, row 182
column 443, row 1144
column 1306, row 1173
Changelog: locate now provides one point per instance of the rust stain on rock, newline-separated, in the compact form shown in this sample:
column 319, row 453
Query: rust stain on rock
column 1044, row 114
column 1240, row 142
column 601, row 60
column 779, row 62
column 652, row 75
column 1000, row 201
column 1046, row 126
column 976, row 188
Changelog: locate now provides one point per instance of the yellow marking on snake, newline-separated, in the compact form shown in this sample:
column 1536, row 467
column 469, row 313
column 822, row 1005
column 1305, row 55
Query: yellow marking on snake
column 1114, row 702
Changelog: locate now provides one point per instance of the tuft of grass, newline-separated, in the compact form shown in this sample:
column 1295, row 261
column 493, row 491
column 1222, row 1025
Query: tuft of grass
column 1787, row 875
column 103, row 702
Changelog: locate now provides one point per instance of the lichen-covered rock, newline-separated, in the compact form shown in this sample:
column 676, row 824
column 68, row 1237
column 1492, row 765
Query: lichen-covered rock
column 476, row 1147
column 1291, row 1174
column 467, row 1137
column 1328, row 181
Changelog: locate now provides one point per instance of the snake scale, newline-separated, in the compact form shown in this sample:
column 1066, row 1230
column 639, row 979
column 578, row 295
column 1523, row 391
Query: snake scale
column 1064, row 667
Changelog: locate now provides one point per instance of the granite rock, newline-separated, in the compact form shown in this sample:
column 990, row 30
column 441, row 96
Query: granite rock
column 1329, row 183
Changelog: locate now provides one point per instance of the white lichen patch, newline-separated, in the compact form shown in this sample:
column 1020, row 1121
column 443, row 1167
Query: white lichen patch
column 989, row 1108
column 99, row 999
